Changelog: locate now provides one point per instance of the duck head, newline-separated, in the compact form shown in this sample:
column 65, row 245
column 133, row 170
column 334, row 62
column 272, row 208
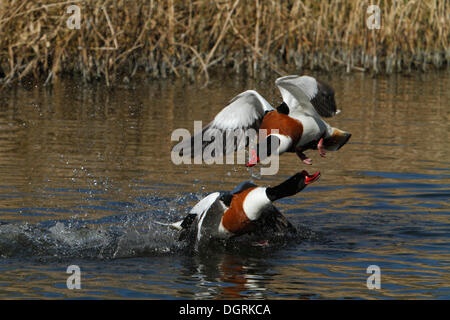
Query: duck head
column 291, row 186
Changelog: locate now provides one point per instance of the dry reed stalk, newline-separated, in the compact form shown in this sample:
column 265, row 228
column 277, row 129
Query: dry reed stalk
column 119, row 39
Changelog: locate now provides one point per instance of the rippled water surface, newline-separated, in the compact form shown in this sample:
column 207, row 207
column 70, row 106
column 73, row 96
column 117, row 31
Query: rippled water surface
column 85, row 172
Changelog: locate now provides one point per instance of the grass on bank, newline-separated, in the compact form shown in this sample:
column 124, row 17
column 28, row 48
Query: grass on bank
column 119, row 38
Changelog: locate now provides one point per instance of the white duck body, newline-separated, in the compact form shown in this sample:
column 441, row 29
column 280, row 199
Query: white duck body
column 299, row 93
column 313, row 129
column 247, row 210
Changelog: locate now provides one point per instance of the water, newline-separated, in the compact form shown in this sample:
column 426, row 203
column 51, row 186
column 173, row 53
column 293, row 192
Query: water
column 85, row 172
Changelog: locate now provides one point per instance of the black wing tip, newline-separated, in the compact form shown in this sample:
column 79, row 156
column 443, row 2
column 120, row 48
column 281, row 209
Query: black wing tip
column 188, row 220
column 325, row 87
column 324, row 101
column 226, row 199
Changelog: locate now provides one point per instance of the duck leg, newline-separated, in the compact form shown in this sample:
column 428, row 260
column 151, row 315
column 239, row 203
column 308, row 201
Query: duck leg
column 262, row 243
column 254, row 159
column 303, row 157
column 263, row 150
column 321, row 148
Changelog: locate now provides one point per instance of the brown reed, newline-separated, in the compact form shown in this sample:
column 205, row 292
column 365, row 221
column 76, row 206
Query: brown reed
column 119, row 39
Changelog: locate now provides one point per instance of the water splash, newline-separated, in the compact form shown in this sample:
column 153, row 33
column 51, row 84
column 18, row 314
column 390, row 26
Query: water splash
column 64, row 239
column 131, row 236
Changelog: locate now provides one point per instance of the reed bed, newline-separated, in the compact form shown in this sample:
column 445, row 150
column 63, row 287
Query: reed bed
column 119, row 39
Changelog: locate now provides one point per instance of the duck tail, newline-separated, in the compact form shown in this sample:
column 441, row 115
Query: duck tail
column 175, row 225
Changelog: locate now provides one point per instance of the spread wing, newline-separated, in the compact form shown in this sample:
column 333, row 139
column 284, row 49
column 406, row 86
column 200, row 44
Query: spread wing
column 197, row 212
column 307, row 95
column 324, row 101
column 228, row 131
column 205, row 203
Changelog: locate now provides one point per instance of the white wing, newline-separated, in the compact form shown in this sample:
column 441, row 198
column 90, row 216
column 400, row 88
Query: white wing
column 205, row 203
column 242, row 112
column 209, row 220
column 228, row 129
column 306, row 95
column 200, row 208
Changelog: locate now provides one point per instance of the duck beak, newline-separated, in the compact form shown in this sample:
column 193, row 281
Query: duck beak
column 337, row 139
column 310, row 178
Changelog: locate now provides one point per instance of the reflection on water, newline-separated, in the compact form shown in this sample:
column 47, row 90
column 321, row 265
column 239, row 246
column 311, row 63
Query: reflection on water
column 86, row 171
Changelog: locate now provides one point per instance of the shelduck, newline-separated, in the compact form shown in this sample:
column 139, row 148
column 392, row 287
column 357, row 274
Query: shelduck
column 298, row 121
column 248, row 209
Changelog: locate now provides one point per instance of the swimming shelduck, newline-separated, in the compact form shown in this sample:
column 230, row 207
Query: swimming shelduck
column 298, row 121
column 246, row 210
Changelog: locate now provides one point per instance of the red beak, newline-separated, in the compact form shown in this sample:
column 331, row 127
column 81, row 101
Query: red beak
column 310, row 178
